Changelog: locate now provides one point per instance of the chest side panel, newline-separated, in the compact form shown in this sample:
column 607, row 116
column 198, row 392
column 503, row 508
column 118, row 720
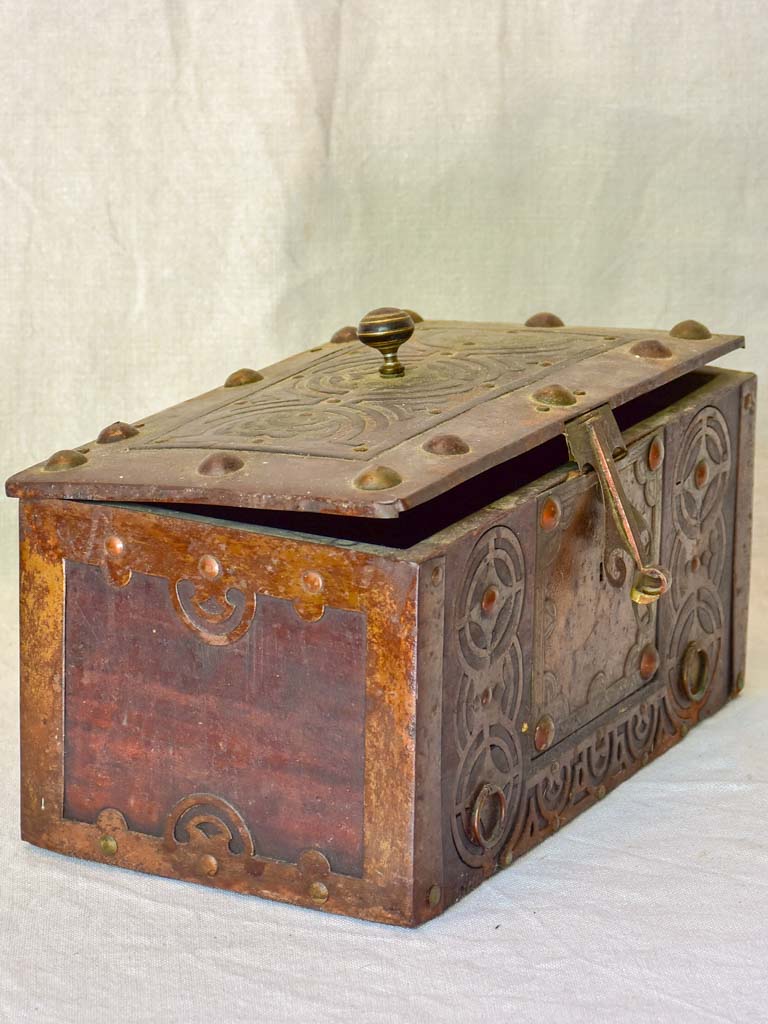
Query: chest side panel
column 701, row 518
column 557, row 687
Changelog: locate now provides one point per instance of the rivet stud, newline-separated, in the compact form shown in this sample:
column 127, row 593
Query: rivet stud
column 209, row 566
column 118, row 431
column 318, row 892
column 241, row 377
column 544, row 733
column 544, row 320
column 655, row 454
column 550, row 514
column 433, row 896
column 114, row 546
column 377, row 478
column 64, row 459
column 207, row 865
column 343, row 335
column 691, row 330
column 312, row 581
column 108, row 845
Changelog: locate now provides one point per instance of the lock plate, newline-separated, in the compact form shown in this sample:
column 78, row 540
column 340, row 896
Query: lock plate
column 594, row 647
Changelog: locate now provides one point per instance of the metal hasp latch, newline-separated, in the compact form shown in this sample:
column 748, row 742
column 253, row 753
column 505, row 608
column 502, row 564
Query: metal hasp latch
column 595, row 442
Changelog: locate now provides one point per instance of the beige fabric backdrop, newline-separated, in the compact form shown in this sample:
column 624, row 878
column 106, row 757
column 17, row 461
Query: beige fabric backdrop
column 186, row 188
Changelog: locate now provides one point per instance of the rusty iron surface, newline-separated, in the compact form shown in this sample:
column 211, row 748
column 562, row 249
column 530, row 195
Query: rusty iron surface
column 203, row 836
column 323, row 431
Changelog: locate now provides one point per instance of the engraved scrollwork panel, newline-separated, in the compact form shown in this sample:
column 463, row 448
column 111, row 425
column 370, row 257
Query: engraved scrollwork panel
column 490, row 692
column 703, row 472
column 584, row 773
column 340, row 402
column 693, row 641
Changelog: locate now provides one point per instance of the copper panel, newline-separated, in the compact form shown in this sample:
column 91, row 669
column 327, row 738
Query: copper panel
column 324, row 432
column 274, row 722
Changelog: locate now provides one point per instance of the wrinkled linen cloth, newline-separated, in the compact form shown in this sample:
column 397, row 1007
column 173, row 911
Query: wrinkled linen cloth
column 190, row 187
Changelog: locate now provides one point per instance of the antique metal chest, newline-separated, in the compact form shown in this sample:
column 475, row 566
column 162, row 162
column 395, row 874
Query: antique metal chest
column 355, row 636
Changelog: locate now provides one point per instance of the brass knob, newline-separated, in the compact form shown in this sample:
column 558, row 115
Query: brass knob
column 385, row 330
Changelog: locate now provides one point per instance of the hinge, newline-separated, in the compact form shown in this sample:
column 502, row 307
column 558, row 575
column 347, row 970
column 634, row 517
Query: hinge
column 595, row 442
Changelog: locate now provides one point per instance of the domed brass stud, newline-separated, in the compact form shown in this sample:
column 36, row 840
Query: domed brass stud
column 318, row 892
column 550, row 515
column 554, row 394
column 377, row 478
column 649, row 662
column 544, row 733
column 489, row 600
column 220, row 464
column 207, row 865
column 114, row 546
column 655, row 454
column 343, row 335
column 209, row 566
column 544, row 320
column 446, row 444
column 701, row 475
column 312, row 581
column 243, row 376
column 651, row 348
column 118, row 431
column 385, row 330
column 108, row 845
column 414, row 316
column 65, row 459
column 691, row 330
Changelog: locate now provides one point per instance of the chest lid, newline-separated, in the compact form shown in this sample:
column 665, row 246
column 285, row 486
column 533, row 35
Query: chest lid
column 377, row 428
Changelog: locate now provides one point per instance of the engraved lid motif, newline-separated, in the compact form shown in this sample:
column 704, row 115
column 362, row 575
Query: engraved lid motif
column 311, row 432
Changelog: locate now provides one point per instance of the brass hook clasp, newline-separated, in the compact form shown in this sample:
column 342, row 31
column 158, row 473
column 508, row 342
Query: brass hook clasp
column 595, row 442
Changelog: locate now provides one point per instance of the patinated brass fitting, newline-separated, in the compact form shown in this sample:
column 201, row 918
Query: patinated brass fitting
column 595, row 443
column 385, row 330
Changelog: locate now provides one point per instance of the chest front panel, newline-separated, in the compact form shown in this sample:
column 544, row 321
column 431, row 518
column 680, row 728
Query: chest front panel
column 218, row 704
